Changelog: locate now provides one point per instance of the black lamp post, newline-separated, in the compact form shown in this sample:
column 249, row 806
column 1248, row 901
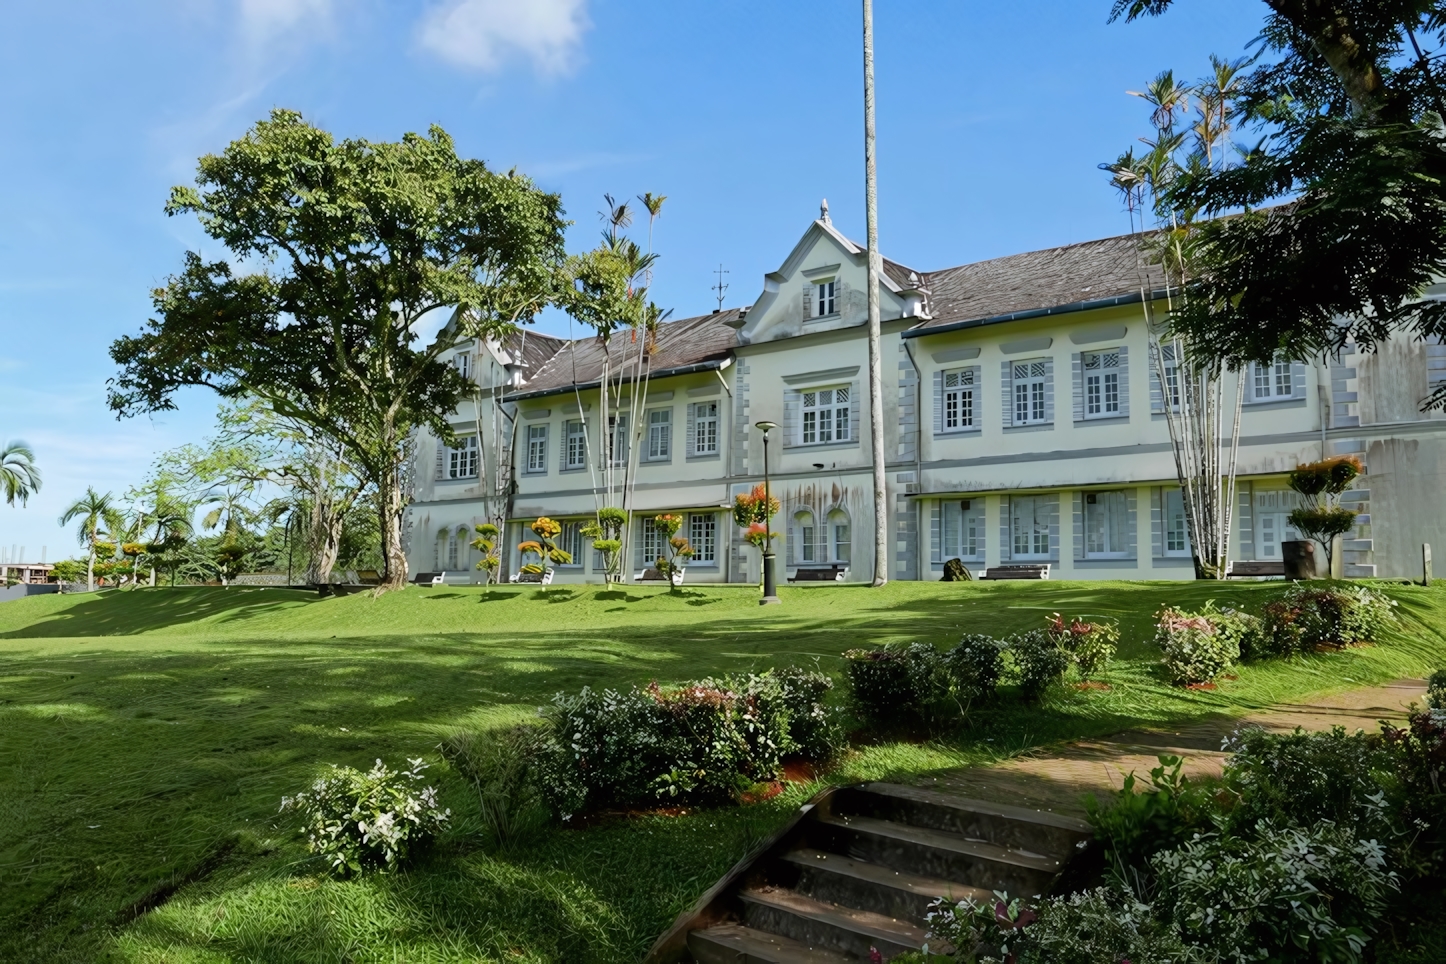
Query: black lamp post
column 770, row 588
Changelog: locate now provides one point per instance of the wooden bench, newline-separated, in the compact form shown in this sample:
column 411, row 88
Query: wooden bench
column 368, row 577
column 820, row 574
column 543, row 578
column 651, row 574
column 1038, row 570
column 1254, row 567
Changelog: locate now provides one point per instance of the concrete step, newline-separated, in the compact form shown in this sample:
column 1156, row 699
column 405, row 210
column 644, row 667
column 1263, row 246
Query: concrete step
column 935, row 853
column 736, row 944
column 997, row 823
column 846, row 930
column 836, row 879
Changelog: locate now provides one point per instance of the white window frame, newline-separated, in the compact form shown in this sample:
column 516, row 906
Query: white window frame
column 462, row 361
column 839, row 534
column 960, row 400
column 805, row 527
column 825, row 422
column 570, row 540
column 1029, row 382
column 618, row 440
column 660, row 434
column 651, row 535
column 536, row 449
column 1106, row 524
column 1101, row 373
column 1171, row 389
column 705, row 428
column 575, row 432
column 1038, row 531
column 462, row 461
column 961, row 530
column 703, row 537
column 1272, row 382
column 1174, row 526
column 825, row 298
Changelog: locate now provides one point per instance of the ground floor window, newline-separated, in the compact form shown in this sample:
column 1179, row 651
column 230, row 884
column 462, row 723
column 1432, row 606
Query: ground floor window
column 1177, row 532
column 1272, row 521
column 840, row 536
column 962, row 529
column 1029, row 520
column 569, row 540
column 703, row 536
column 1106, row 525
column 651, row 543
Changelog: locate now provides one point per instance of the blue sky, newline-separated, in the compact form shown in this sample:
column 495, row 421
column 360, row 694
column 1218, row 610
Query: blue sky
column 992, row 118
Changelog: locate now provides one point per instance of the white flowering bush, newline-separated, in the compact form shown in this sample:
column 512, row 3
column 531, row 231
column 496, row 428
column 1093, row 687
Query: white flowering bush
column 361, row 821
column 1193, row 648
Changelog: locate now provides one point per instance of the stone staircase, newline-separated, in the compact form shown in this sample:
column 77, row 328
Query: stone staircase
column 857, row 869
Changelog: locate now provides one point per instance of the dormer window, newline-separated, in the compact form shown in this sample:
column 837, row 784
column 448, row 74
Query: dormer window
column 823, row 298
column 463, row 362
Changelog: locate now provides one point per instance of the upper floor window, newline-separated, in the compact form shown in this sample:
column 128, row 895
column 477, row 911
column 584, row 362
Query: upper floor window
column 1272, row 380
column 826, row 416
column 703, row 536
column 576, row 445
column 1172, row 375
column 959, row 400
column 705, row 428
column 537, row 448
column 462, row 460
column 823, row 298
column 660, row 434
column 1106, row 525
column 1102, row 383
column 463, row 362
column 618, row 438
column 1030, row 386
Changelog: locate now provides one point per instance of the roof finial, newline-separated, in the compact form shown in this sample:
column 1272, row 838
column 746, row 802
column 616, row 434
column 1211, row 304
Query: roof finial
column 823, row 212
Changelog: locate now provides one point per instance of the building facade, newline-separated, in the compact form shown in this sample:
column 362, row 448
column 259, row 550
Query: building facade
column 1025, row 421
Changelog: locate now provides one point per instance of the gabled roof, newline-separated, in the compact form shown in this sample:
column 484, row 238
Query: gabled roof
column 689, row 344
column 532, row 349
column 1089, row 274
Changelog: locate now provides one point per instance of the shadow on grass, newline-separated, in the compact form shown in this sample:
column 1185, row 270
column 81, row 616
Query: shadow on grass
column 131, row 612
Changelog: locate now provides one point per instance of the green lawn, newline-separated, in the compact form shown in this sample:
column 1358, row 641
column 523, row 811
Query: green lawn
column 146, row 739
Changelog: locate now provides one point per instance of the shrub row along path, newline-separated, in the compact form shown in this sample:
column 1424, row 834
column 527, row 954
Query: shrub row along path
column 1060, row 778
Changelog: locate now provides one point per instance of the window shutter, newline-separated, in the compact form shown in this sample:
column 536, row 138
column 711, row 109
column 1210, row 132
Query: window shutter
column 1124, row 382
column 1079, row 535
column 855, row 430
column 638, row 562
column 692, row 431
column 1157, row 393
column 1006, row 392
column 977, row 371
column 1049, row 391
column 1157, row 522
column 1076, row 364
column 562, row 444
column 441, row 461
column 792, row 401
column 807, row 301
column 1131, row 522
column 936, row 541
column 938, row 403
column 1006, row 539
column 1297, row 379
column 793, row 555
column 1054, row 528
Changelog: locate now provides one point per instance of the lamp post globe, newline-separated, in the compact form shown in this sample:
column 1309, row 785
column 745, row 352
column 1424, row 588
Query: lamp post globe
column 770, row 587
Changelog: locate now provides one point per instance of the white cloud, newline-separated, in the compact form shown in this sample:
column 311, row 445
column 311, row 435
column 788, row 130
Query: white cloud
column 484, row 34
column 261, row 19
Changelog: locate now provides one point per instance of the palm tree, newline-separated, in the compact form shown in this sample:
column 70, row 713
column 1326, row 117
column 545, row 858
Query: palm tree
column 94, row 511
column 18, row 475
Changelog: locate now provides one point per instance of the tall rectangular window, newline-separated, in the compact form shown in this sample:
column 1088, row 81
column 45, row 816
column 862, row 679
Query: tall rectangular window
column 703, row 536
column 651, row 543
column 1106, row 525
column 1172, row 376
column 1177, row 533
column 1274, row 379
column 1029, row 526
column 1029, row 392
column 618, row 439
column 959, row 400
column 660, row 434
column 1102, row 383
column 826, row 416
column 462, row 460
column 569, row 540
column 537, row 448
column 705, row 428
column 463, row 362
column 823, row 298
column 576, row 445
column 963, row 529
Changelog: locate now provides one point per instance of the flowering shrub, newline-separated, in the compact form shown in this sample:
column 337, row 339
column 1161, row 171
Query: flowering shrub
column 1193, row 648
column 1038, row 662
column 360, row 821
column 704, row 741
column 1436, row 690
column 1306, row 617
column 978, row 930
column 975, row 666
column 898, row 683
column 1090, row 645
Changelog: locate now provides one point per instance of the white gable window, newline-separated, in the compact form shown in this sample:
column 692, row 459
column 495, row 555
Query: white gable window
column 705, row 428
column 1030, row 384
column 660, row 434
column 576, row 446
column 462, row 460
column 463, row 362
column 826, row 416
column 1102, row 383
column 537, row 448
column 1106, row 525
column 958, row 400
column 824, row 302
column 1272, row 380
column 703, row 537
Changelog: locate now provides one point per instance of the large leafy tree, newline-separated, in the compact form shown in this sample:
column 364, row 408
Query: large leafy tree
column 346, row 246
column 1348, row 105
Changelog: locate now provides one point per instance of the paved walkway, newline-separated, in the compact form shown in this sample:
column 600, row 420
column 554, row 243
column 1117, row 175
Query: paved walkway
column 1058, row 779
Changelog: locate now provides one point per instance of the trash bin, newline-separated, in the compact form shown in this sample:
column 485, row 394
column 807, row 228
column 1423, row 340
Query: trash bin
column 1299, row 558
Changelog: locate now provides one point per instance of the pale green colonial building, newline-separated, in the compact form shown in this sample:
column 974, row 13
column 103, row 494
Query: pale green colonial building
column 1025, row 423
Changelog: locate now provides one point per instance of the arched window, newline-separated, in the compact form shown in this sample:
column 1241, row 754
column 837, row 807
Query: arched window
column 838, row 538
column 804, row 538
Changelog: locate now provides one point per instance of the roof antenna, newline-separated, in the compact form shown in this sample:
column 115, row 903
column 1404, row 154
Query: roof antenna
column 720, row 287
column 823, row 212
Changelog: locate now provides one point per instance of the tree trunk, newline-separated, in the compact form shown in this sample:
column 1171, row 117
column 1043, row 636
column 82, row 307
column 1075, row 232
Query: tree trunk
column 1330, row 31
column 876, row 388
column 323, row 541
column 389, row 519
column 90, row 570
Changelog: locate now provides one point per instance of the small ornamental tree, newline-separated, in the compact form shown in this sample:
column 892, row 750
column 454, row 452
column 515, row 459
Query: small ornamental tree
column 751, row 513
column 606, row 534
column 486, row 543
column 545, row 548
column 1321, row 484
column 679, row 551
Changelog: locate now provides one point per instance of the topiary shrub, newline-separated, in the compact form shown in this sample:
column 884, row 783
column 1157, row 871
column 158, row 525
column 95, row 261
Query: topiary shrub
column 1090, row 645
column 898, row 683
column 975, row 666
column 1038, row 662
column 1192, row 648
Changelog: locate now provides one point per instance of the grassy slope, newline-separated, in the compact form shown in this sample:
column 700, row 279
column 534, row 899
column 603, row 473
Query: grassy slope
column 146, row 738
